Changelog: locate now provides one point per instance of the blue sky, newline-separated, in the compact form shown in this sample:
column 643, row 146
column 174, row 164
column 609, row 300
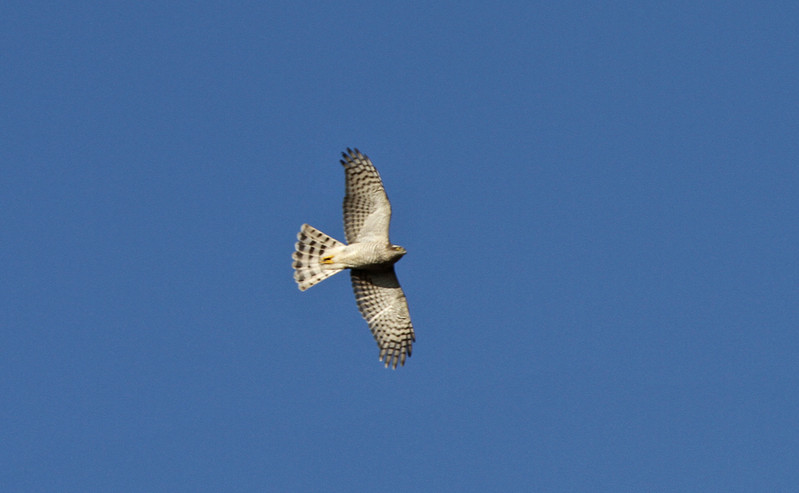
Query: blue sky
column 600, row 207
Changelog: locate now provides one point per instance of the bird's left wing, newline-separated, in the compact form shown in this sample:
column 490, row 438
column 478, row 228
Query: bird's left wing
column 382, row 303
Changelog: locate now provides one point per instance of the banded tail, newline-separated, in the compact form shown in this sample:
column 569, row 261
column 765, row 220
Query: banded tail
column 311, row 247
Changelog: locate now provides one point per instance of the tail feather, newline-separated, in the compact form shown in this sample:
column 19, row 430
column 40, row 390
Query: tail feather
column 311, row 247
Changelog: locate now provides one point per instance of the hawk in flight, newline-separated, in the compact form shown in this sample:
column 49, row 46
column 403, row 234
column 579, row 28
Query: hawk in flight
column 369, row 255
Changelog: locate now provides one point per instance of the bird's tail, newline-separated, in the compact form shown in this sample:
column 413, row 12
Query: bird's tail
column 312, row 247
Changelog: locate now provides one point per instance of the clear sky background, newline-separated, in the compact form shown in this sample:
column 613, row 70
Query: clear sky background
column 600, row 207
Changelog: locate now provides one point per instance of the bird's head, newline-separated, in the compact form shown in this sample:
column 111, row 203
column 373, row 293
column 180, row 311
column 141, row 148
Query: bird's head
column 398, row 250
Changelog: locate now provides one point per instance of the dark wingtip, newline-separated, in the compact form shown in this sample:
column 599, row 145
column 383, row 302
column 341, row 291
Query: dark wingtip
column 351, row 154
column 347, row 156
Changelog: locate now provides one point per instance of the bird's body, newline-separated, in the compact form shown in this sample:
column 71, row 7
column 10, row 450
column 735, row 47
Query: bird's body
column 370, row 256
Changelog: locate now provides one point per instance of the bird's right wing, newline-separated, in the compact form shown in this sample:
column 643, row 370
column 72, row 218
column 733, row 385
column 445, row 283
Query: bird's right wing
column 367, row 211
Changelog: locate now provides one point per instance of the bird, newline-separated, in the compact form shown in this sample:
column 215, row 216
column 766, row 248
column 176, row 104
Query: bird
column 368, row 254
